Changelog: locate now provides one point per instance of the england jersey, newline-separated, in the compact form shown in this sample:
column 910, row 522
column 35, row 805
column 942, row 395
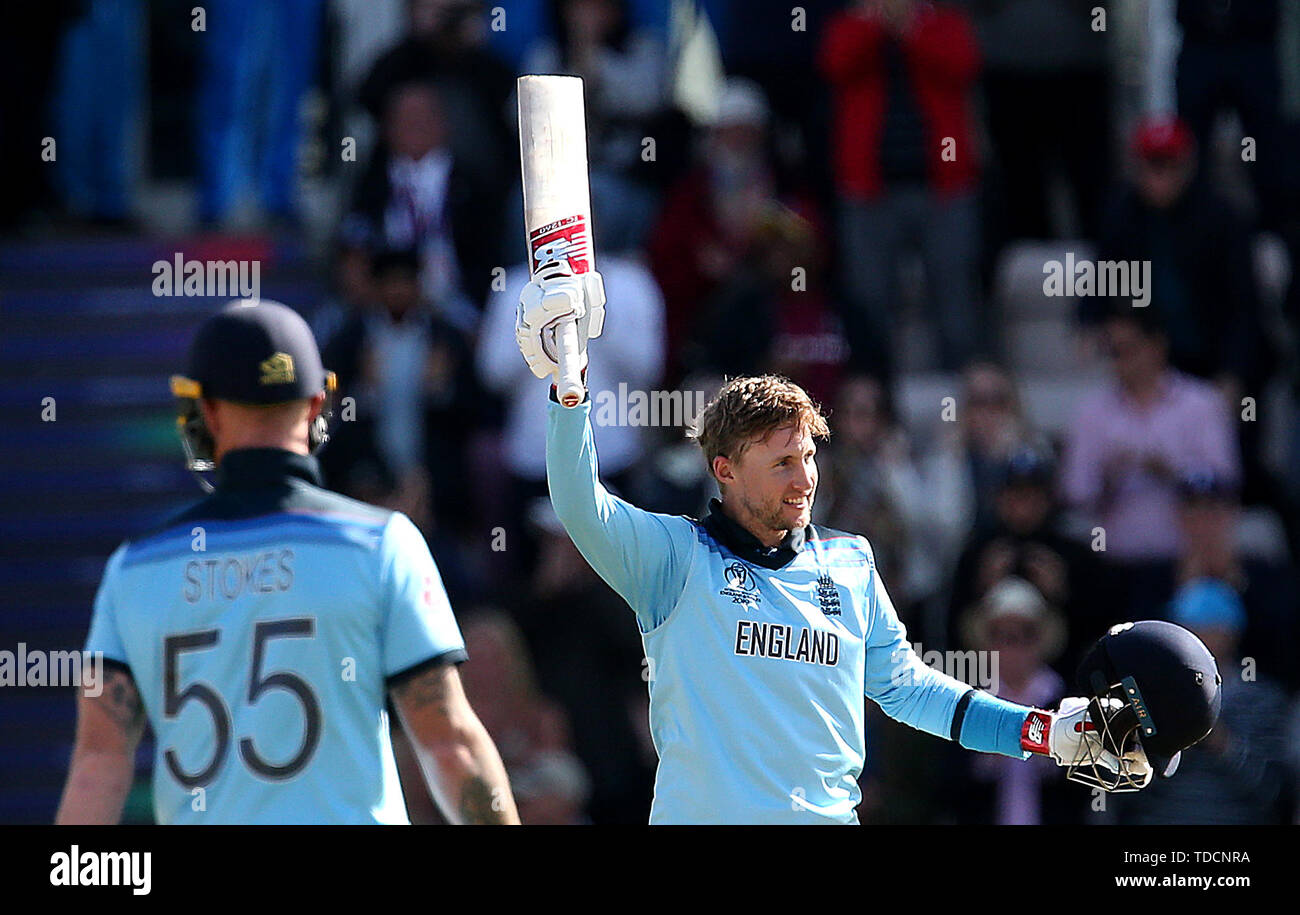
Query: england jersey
column 758, row 659
column 263, row 628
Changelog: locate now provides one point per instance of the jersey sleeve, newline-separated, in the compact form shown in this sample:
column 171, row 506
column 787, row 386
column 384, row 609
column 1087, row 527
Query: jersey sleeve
column 644, row 556
column 417, row 626
column 927, row 699
column 104, row 633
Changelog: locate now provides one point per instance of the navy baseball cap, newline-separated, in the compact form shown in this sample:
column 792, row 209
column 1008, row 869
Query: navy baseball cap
column 254, row 351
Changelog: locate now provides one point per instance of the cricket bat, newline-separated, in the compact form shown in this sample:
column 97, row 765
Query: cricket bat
column 557, row 197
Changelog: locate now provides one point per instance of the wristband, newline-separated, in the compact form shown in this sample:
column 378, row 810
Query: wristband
column 1035, row 733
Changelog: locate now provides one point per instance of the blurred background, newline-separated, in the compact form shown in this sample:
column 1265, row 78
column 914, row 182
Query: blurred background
column 865, row 196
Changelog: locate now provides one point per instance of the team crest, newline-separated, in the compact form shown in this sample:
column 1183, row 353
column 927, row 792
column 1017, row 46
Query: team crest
column 277, row 370
column 741, row 587
column 828, row 595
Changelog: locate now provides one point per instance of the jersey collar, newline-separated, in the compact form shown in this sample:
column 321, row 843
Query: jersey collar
column 254, row 468
column 746, row 545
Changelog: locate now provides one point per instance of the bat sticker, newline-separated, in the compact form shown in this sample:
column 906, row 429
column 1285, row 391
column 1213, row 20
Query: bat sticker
column 564, row 239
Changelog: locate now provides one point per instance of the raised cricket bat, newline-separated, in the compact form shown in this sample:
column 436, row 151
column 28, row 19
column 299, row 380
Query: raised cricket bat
column 557, row 197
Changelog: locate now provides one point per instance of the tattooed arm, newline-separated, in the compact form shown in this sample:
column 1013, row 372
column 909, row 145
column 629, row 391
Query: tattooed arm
column 459, row 759
column 103, row 762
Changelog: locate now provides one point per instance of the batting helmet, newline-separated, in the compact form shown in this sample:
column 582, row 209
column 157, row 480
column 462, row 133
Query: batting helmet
column 1155, row 688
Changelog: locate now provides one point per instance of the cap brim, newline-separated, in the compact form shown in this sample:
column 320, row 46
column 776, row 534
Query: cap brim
column 186, row 388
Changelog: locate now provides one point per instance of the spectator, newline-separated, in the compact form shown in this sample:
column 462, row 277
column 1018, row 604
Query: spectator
column 1229, row 61
column 1202, row 283
column 1026, row 633
column 352, row 464
column 592, row 662
column 352, row 291
column 631, row 349
column 710, row 217
column 360, row 31
column 963, row 466
column 259, row 57
column 100, row 91
column 764, row 45
column 1135, row 434
column 1238, row 775
column 1027, row 542
column 1208, row 516
column 417, row 193
column 530, row 729
column 902, row 75
column 624, row 73
column 445, row 44
column 1047, row 57
column 669, row 477
column 870, row 486
column 415, row 399
column 772, row 314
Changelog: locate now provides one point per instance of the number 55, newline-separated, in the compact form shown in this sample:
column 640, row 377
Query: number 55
column 173, row 701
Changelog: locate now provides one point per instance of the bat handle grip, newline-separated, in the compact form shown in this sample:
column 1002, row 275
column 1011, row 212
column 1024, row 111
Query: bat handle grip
column 568, row 384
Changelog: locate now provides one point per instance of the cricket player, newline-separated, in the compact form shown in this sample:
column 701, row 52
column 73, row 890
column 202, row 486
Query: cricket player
column 762, row 631
column 260, row 631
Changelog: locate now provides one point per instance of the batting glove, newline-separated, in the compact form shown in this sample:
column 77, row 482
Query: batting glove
column 555, row 295
column 1070, row 737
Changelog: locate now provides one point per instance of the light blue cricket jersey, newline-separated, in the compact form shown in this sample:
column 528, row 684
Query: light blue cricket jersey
column 758, row 659
column 264, row 657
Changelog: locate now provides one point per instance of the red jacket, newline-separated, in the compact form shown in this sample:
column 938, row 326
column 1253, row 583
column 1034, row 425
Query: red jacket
column 943, row 60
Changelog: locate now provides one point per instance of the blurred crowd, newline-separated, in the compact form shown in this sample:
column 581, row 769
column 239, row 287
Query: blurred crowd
column 845, row 180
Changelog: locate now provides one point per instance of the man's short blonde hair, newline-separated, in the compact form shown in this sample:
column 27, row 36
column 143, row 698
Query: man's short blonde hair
column 749, row 408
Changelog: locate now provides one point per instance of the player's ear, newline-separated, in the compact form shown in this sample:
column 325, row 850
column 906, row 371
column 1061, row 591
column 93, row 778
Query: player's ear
column 211, row 415
column 724, row 469
column 317, row 405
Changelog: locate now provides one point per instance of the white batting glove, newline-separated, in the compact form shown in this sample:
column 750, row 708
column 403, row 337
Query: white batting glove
column 1070, row 737
column 555, row 295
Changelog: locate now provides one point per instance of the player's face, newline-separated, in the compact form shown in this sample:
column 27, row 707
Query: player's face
column 774, row 482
